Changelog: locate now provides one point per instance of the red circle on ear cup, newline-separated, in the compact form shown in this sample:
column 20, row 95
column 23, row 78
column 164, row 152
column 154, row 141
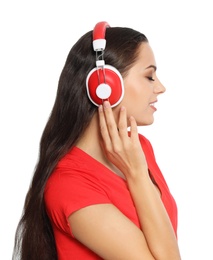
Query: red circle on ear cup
column 110, row 76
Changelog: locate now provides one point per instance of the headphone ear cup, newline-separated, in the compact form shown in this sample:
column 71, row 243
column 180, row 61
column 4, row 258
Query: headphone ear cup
column 105, row 84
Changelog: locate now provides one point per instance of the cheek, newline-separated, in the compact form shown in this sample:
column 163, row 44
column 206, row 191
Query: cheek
column 134, row 97
column 136, row 88
column 134, row 104
column 136, row 101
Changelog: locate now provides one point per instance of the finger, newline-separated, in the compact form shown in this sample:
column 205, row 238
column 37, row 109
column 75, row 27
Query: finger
column 110, row 122
column 122, row 123
column 133, row 129
column 103, row 126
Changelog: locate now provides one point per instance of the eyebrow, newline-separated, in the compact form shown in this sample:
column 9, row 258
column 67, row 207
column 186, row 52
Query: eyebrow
column 151, row 67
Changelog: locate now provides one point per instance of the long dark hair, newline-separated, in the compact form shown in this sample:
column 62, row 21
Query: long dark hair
column 71, row 114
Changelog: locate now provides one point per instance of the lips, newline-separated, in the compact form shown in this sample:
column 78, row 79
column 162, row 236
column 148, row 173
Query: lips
column 152, row 105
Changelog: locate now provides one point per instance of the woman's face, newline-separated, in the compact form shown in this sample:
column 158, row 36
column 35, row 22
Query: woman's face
column 142, row 87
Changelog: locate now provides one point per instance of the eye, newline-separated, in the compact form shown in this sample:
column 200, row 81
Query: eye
column 151, row 78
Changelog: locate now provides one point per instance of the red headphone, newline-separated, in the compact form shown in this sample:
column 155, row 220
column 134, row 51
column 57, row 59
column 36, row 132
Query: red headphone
column 103, row 82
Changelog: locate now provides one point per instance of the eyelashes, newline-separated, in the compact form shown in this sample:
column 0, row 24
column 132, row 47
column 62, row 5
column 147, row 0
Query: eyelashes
column 151, row 78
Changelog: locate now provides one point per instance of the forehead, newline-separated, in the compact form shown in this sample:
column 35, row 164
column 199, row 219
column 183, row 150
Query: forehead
column 145, row 55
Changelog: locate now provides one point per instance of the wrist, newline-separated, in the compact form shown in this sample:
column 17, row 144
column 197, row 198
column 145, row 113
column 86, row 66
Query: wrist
column 137, row 175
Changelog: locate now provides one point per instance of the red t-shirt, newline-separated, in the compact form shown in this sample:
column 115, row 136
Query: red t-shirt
column 79, row 181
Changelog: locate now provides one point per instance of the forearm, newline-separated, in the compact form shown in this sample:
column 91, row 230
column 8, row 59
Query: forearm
column 125, row 152
column 153, row 217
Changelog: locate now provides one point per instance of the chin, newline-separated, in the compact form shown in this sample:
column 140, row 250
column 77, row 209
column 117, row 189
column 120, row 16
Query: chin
column 145, row 122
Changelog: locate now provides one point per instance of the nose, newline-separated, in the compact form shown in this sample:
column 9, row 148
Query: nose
column 159, row 87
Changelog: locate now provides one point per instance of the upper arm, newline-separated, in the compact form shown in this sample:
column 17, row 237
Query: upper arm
column 110, row 234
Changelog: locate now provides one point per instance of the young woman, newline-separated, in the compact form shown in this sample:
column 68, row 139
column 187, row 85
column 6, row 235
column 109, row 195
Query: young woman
column 97, row 191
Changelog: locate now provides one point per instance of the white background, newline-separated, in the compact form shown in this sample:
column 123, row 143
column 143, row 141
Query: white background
column 35, row 38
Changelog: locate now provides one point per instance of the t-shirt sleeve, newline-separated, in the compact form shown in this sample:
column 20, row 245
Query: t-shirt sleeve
column 67, row 192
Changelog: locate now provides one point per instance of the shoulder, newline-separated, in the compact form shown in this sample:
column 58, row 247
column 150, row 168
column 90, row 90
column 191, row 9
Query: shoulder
column 74, row 169
column 77, row 177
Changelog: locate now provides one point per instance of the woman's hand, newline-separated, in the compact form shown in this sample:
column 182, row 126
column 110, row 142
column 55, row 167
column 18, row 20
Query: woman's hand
column 126, row 153
column 122, row 149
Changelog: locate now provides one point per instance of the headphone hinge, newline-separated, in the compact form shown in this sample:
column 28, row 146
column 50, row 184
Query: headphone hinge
column 100, row 63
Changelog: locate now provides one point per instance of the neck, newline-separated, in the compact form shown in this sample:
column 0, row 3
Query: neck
column 90, row 142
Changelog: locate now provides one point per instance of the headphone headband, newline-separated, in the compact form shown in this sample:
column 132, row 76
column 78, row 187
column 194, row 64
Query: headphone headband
column 104, row 82
column 99, row 41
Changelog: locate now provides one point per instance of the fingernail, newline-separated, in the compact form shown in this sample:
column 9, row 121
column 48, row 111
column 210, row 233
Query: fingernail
column 100, row 108
column 106, row 104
